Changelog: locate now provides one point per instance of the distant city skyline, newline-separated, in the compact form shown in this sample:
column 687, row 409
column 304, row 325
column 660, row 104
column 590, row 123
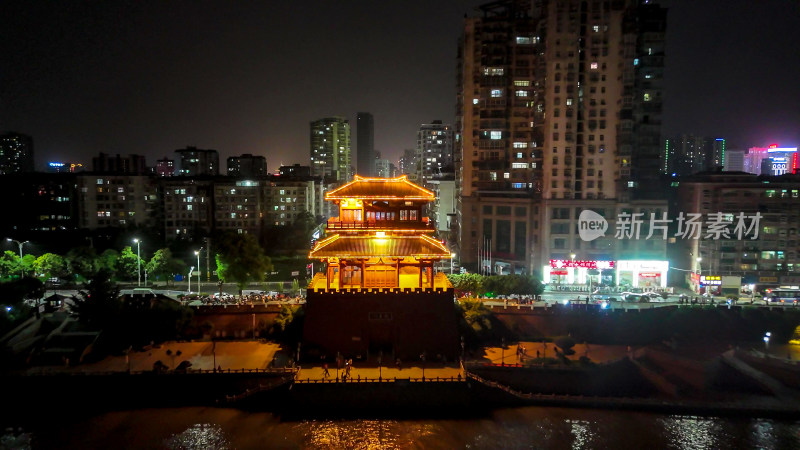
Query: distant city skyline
column 148, row 78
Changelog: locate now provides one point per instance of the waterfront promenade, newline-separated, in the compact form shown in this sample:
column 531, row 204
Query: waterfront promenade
column 249, row 355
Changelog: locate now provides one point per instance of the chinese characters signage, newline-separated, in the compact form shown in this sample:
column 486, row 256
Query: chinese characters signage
column 565, row 263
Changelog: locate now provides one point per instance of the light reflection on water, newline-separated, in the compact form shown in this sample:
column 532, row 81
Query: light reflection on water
column 330, row 434
column 199, row 436
column 536, row 428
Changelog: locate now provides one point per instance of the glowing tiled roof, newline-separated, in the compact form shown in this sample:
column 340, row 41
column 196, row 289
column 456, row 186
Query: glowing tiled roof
column 345, row 247
column 381, row 189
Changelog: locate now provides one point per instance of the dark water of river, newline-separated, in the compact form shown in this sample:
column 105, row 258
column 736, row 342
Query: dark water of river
column 529, row 427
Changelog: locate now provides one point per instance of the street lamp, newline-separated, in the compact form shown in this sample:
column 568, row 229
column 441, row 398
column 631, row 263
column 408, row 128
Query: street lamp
column 197, row 253
column 191, row 269
column 21, row 269
column 139, row 260
column 572, row 269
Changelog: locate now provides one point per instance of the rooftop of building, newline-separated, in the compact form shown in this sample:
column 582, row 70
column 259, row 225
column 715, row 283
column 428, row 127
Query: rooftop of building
column 718, row 176
column 377, row 246
column 398, row 188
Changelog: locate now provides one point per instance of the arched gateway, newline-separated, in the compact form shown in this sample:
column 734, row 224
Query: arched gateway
column 380, row 290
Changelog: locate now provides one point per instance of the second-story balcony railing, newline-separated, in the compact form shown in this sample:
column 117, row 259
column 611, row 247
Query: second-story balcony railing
column 423, row 225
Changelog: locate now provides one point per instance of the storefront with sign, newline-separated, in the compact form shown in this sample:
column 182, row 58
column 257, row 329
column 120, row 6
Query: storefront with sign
column 561, row 271
column 711, row 284
column 642, row 274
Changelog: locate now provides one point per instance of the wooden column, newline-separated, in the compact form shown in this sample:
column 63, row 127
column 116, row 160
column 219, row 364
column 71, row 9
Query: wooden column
column 363, row 273
column 420, row 273
column 397, row 273
column 329, row 274
column 431, row 275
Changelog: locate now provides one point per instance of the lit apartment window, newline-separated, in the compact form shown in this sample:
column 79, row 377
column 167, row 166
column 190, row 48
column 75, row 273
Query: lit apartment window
column 497, row 93
column 594, row 66
column 493, row 176
column 506, row 175
column 518, row 165
column 522, row 93
column 520, row 145
column 474, row 101
column 523, row 40
column 522, row 83
column 496, row 134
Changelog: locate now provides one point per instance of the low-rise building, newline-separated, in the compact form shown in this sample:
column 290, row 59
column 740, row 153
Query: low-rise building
column 749, row 226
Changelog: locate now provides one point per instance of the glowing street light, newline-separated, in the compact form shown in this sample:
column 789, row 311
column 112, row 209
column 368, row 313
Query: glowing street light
column 572, row 268
column 21, row 269
column 197, row 253
column 139, row 259
column 189, row 277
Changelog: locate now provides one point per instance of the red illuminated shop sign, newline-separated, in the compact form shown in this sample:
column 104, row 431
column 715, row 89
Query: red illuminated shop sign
column 649, row 275
column 565, row 263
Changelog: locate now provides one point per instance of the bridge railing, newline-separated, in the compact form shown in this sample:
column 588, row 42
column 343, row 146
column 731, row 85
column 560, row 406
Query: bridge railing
column 451, row 379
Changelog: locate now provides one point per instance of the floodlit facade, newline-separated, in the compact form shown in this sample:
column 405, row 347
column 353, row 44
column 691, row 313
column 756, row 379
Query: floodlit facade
column 379, row 290
column 381, row 239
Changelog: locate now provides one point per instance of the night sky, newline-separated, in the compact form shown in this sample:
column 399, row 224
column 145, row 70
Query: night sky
column 150, row 77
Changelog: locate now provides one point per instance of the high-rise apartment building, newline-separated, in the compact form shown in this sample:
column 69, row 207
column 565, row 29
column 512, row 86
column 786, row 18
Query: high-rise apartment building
column 117, row 200
column 365, row 144
column 16, row 153
column 558, row 110
column 434, row 150
column 195, row 161
column 119, row 164
column 688, row 154
column 408, row 164
column 247, row 166
column 384, row 168
column 715, row 153
column 165, row 167
column 330, row 149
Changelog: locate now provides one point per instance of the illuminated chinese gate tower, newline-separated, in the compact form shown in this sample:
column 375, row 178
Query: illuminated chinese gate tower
column 380, row 290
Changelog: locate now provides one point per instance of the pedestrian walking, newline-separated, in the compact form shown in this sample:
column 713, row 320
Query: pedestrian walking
column 325, row 373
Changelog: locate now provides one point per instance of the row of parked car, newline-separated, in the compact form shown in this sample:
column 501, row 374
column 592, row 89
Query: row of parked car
column 629, row 297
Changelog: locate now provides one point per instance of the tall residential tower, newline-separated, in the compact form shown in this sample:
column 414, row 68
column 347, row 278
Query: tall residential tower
column 16, row 153
column 330, row 149
column 434, row 149
column 365, row 144
column 558, row 110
